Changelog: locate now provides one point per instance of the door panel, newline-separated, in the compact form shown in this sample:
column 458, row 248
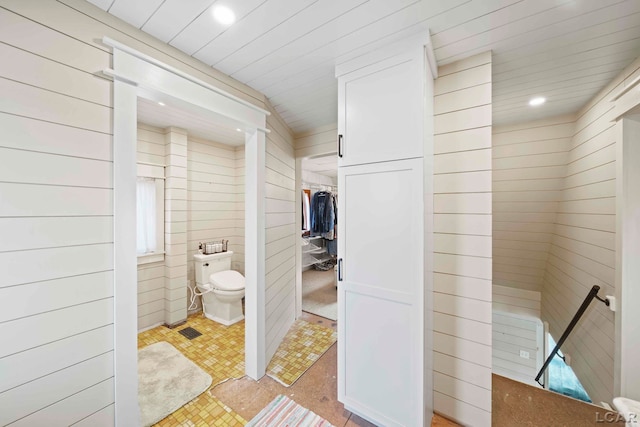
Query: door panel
column 368, row 366
column 382, row 203
column 381, row 112
column 380, row 336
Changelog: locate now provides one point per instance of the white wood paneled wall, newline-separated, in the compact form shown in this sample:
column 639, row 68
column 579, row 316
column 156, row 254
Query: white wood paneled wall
column 516, row 301
column 56, row 210
column 516, row 326
column 175, row 226
column 212, row 194
column 528, row 170
column 237, row 244
column 582, row 252
column 511, row 335
column 462, row 241
column 56, row 223
column 280, row 233
column 318, row 141
column 150, row 149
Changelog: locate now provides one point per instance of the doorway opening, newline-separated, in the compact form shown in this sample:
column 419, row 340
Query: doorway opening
column 319, row 235
column 199, row 166
column 135, row 76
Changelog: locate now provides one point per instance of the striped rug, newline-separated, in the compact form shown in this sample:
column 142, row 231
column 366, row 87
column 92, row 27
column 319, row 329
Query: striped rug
column 284, row 412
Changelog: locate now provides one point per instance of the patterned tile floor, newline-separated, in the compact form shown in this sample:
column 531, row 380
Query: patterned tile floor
column 219, row 351
column 303, row 345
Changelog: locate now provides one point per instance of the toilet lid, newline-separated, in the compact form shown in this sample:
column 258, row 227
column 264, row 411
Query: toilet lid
column 229, row 280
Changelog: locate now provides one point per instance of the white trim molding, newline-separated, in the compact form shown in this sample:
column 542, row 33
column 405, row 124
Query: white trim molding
column 138, row 75
column 627, row 319
column 124, row 48
column 125, row 271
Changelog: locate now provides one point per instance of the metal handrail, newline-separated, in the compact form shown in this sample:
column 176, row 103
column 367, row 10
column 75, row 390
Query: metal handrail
column 593, row 293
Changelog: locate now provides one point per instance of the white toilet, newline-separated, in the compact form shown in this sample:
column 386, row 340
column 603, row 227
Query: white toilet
column 222, row 288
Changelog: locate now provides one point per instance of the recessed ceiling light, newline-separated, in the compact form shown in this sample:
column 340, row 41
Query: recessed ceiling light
column 238, row 129
column 534, row 102
column 224, row 15
column 161, row 104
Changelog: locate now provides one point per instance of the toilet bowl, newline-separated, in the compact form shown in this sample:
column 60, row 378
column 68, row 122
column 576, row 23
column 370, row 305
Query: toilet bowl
column 222, row 288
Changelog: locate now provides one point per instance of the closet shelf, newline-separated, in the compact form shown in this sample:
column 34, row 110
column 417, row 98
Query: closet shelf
column 308, row 260
column 311, row 248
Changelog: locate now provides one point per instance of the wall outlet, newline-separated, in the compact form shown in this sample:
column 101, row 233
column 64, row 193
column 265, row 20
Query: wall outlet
column 524, row 354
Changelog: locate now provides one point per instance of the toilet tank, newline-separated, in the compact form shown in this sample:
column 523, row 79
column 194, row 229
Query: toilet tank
column 205, row 265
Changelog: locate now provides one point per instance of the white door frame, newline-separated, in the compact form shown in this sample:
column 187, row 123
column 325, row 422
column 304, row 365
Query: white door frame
column 627, row 375
column 136, row 74
column 626, row 113
column 316, row 151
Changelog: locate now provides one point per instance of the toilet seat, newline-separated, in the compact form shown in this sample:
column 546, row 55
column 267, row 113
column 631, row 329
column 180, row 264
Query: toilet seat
column 229, row 280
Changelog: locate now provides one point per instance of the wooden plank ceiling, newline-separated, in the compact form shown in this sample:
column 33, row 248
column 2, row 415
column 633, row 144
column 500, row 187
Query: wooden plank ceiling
column 564, row 50
column 199, row 123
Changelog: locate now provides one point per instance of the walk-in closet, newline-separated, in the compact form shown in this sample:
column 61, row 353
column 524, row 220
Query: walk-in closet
column 319, row 234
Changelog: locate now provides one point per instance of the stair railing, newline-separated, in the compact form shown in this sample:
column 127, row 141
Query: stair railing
column 593, row 293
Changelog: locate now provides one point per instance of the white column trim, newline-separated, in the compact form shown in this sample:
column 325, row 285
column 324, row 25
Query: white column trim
column 254, row 241
column 627, row 319
column 124, row 248
column 298, row 234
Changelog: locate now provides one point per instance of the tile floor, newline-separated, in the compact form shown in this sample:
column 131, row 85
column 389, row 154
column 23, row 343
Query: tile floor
column 301, row 348
column 220, row 352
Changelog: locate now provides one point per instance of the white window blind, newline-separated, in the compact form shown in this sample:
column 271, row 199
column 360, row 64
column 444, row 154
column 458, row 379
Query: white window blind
column 147, row 239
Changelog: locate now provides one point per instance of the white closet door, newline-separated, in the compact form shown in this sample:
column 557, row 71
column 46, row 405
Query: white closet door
column 380, row 294
column 380, row 111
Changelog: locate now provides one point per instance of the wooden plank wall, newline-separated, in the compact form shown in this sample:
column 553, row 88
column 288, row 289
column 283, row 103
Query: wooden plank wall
column 318, row 141
column 462, row 241
column 212, row 194
column 150, row 149
column 528, row 170
column 56, row 222
column 516, row 326
column 511, row 335
column 516, row 301
column 56, row 211
column 237, row 243
column 175, row 226
column 582, row 252
column 280, row 233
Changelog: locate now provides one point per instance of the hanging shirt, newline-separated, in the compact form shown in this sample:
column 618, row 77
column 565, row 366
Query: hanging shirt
column 322, row 213
column 306, row 214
